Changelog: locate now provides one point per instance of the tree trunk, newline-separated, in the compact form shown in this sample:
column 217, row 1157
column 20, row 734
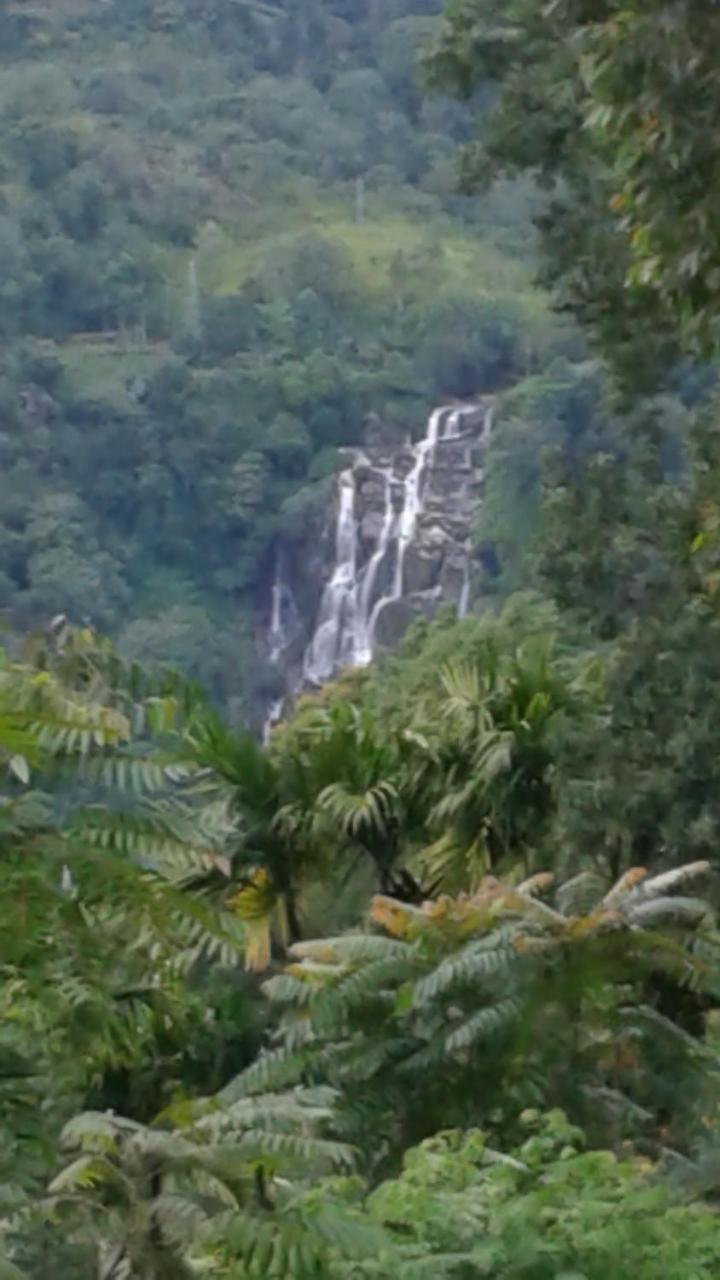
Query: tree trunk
column 293, row 919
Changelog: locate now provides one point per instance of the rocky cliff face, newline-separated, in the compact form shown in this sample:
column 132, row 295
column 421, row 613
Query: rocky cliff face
column 399, row 546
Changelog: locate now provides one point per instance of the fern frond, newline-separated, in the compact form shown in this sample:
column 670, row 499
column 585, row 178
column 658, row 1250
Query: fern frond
column 537, row 883
column 97, row 1131
column 275, row 1247
column 617, row 1103
column 463, row 684
column 685, row 910
column 534, row 909
column 356, row 812
column 183, row 1217
column 85, row 1172
column 272, row 1069
column 647, row 1014
column 148, row 834
column 578, row 896
column 283, row 1112
column 483, row 1024
column 351, row 947
column 629, row 881
column 477, row 960
column 258, row 1145
column 345, row 1234
column 336, row 1000
column 495, row 755
column 285, row 988
column 669, row 880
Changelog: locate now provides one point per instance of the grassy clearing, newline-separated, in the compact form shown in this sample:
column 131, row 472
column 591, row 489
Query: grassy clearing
column 435, row 253
column 104, row 368
column 430, row 256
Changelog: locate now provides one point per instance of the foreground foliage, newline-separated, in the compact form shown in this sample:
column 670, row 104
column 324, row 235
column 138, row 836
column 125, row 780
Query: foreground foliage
column 612, row 109
column 547, row 1208
column 478, row 880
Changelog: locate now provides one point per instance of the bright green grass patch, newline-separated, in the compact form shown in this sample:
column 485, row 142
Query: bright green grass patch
column 106, row 368
column 433, row 254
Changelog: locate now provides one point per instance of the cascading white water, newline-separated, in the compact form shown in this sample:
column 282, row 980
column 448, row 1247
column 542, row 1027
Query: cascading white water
column 337, row 607
column 273, row 717
column 363, row 640
column 345, row 630
column 464, row 601
column 276, row 636
column 283, row 615
column 278, row 639
column 406, row 523
column 412, row 504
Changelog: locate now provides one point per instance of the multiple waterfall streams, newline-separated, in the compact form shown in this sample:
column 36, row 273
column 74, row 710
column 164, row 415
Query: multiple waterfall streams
column 358, row 593
column 401, row 545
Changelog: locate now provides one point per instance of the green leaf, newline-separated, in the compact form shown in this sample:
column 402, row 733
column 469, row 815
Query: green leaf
column 20, row 767
column 8, row 1271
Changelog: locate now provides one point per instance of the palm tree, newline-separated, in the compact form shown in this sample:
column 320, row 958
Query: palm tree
column 369, row 786
column 494, row 747
column 328, row 791
column 262, row 804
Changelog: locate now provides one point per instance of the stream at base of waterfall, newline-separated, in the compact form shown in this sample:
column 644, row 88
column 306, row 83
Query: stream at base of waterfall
column 361, row 585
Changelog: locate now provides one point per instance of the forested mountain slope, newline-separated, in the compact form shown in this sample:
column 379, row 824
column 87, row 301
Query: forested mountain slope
column 229, row 231
column 426, row 985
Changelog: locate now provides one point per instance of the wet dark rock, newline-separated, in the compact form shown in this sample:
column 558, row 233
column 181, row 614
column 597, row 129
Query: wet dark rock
column 349, row 608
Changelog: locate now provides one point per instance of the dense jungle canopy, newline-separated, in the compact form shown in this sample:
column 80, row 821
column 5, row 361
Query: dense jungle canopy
column 428, row 984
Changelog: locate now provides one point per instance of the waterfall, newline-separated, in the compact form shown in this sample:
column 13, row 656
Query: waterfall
column 282, row 613
column 273, row 717
column 453, row 427
column 349, row 608
column 464, row 601
column 413, row 497
column 363, row 646
column 283, row 616
column 276, row 635
column 338, row 606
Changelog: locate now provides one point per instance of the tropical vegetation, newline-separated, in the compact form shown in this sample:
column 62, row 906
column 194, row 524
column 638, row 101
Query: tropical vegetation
column 428, row 983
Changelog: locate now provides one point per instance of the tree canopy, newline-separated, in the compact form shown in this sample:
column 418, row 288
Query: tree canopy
column 614, row 110
column 427, row 983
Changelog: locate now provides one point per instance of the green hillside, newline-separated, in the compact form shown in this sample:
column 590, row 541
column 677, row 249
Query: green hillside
column 229, row 232
column 423, row 983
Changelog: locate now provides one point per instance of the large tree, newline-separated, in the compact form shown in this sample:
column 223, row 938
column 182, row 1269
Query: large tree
column 615, row 109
